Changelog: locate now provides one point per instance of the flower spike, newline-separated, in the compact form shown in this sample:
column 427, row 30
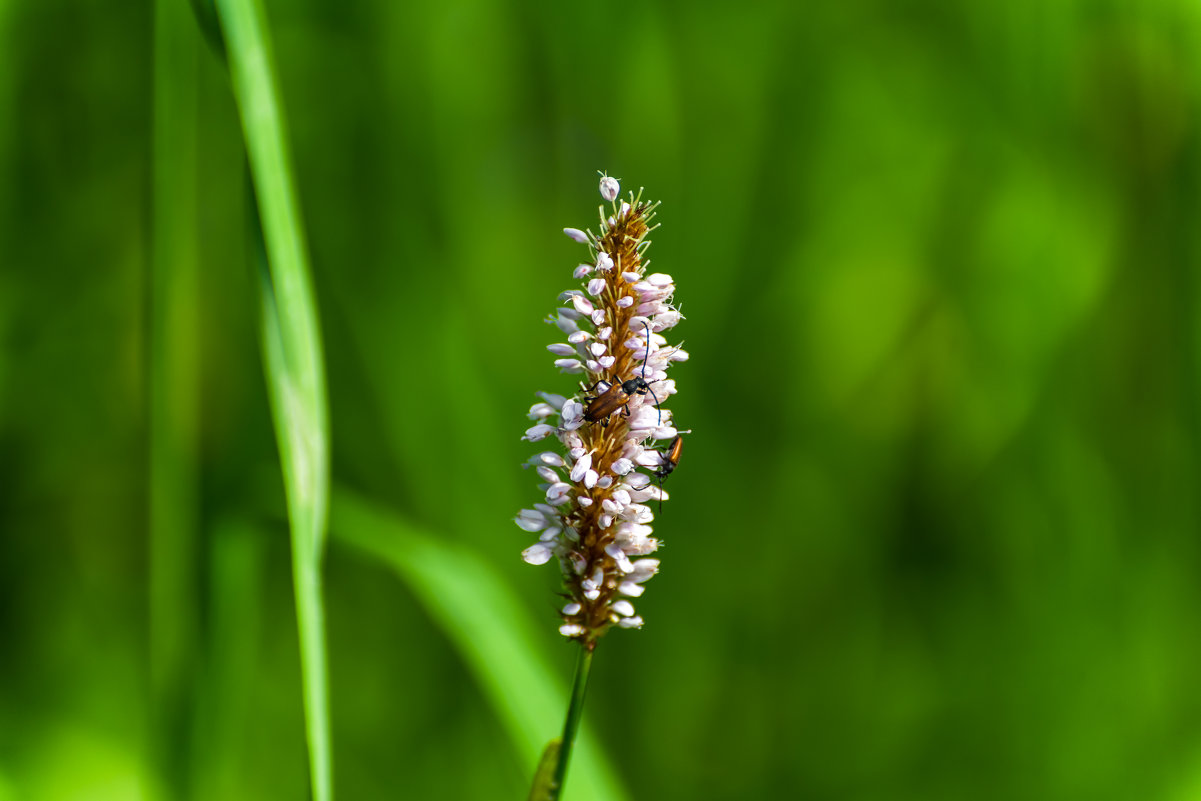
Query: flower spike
column 614, row 433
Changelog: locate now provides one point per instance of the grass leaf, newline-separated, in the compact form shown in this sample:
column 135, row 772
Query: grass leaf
column 491, row 629
column 174, row 377
column 294, row 364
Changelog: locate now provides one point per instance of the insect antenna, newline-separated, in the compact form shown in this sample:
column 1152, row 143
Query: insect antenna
column 645, row 360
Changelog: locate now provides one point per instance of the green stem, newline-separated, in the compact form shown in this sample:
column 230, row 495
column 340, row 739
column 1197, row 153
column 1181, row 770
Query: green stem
column 575, row 711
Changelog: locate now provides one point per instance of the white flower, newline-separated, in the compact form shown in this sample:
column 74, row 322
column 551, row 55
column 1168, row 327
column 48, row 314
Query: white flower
column 638, row 481
column 623, row 608
column 582, row 465
column 630, row 588
column 540, row 431
column 540, row 411
column 530, row 520
column 538, row 554
column 609, row 188
column 569, row 365
column 619, row 558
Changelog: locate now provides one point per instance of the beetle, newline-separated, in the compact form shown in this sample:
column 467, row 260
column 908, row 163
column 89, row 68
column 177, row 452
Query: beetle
column 671, row 460
column 618, row 394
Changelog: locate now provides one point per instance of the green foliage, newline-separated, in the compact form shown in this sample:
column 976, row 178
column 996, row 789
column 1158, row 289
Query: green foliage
column 934, row 536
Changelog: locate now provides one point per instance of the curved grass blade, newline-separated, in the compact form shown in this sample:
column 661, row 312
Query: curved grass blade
column 490, row 628
column 292, row 345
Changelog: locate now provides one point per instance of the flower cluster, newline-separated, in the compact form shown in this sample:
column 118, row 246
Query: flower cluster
column 595, row 519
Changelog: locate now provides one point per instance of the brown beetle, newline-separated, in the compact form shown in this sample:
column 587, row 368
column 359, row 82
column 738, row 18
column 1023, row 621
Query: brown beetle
column 670, row 460
column 618, row 395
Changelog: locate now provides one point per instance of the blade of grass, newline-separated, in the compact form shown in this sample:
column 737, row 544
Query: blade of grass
column 490, row 628
column 308, row 538
column 9, row 79
column 237, row 552
column 292, row 347
column 173, row 378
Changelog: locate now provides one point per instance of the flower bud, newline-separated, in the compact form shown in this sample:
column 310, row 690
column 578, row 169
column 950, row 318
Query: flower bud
column 609, row 188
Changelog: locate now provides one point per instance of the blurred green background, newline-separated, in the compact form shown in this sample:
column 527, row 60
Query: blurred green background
column 936, row 534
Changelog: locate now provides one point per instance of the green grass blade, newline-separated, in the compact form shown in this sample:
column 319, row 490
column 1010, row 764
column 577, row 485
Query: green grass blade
column 543, row 786
column 291, row 341
column 490, row 628
column 173, row 377
column 237, row 557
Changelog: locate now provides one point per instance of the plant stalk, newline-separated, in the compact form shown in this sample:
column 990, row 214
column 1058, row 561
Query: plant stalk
column 575, row 711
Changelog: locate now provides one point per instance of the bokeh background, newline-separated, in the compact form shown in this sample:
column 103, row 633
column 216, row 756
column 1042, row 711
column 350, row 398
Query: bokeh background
column 936, row 534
